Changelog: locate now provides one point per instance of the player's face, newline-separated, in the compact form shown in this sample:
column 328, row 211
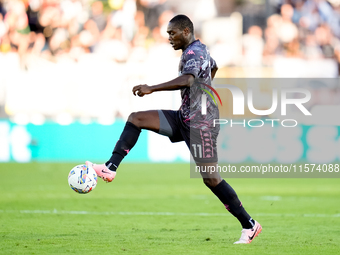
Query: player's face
column 176, row 37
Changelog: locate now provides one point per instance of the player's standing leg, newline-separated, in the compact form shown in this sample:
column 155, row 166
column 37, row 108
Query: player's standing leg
column 229, row 198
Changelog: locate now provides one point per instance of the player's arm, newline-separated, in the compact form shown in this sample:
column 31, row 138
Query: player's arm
column 185, row 80
column 213, row 72
column 214, row 68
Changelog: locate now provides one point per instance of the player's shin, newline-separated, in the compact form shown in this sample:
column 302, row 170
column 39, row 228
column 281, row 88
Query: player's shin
column 229, row 198
column 127, row 140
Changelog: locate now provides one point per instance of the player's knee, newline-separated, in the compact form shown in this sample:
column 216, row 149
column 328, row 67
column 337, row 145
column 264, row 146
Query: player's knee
column 134, row 118
column 211, row 182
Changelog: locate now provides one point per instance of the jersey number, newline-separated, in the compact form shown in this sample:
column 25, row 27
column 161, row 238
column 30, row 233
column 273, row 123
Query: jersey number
column 197, row 147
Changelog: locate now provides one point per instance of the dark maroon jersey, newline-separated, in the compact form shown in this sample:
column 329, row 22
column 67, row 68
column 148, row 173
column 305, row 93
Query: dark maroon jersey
column 196, row 60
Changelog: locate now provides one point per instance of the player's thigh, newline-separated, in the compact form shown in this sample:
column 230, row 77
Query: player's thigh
column 202, row 145
column 170, row 125
column 145, row 120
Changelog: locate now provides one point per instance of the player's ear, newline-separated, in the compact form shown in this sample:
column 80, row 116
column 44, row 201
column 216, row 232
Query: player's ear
column 186, row 31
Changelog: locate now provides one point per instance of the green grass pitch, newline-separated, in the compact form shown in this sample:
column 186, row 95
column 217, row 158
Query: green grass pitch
column 158, row 209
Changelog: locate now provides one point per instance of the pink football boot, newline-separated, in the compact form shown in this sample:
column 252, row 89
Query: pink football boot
column 248, row 235
column 102, row 171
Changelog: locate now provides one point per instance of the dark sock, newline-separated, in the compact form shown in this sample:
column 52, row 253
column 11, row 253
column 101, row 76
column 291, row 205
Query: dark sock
column 127, row 140
column 228, row 197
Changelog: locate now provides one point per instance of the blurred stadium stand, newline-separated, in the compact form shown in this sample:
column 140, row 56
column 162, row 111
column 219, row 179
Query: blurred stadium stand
column 66, row 60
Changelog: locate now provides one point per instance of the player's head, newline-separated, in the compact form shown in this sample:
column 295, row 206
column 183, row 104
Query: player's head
column 181, row 32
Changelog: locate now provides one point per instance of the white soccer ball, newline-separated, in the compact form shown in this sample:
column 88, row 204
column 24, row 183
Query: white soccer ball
column 82, row 179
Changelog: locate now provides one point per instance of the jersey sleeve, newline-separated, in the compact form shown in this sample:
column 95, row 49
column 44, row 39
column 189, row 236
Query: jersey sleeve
column 192, row 63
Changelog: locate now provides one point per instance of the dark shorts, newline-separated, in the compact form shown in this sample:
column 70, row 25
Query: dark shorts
column 202, row 144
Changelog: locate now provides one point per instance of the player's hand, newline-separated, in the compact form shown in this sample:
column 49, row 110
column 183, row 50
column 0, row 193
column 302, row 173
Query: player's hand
column 141, row 90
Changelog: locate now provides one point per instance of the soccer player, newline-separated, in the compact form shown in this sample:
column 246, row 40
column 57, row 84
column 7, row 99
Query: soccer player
column 196, row 70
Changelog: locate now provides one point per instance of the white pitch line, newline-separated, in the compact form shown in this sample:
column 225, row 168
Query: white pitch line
column 55, row 211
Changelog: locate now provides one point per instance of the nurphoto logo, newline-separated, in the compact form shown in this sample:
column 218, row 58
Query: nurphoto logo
column 239, row 105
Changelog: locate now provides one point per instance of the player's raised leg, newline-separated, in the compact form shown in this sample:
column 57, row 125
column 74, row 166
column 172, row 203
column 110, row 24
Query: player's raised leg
column 229, row 198
column 136, row 122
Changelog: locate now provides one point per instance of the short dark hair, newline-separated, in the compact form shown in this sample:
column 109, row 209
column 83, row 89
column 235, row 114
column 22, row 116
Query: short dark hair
column 183, row 22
